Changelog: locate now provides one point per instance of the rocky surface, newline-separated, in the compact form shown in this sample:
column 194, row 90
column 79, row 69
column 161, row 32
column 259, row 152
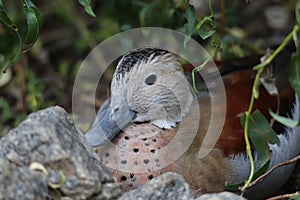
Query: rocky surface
column 167, row 186
column 50, row 139
column 172, row 186
column 220, row 196
column 21, row 183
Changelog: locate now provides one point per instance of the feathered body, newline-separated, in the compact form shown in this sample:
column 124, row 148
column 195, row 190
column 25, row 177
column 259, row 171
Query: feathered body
column 150, row 83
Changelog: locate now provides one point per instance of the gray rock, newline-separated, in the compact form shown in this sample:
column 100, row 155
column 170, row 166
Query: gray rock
column 21, row 183
column 220, row 196
column 50, row 138
column 166, row 186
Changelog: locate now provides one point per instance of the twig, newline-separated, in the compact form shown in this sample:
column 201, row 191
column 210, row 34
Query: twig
column 284, row 196
column 273, row 168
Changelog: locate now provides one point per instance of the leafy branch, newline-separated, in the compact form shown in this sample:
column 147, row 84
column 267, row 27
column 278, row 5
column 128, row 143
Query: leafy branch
column 255, row 95
column 23, row 37
column 206, row 27
column 256, row 127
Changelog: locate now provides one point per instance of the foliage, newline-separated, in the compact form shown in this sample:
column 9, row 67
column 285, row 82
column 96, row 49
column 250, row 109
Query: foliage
column 256, row 127
column 87, row 7
column 206, row 27
column 21, row 37
column 261, row 134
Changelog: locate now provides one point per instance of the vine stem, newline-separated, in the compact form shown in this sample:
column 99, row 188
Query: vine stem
column 198, row 69
column 246, row 127
column 210, row 8
column 277, row 51
column 254, row 95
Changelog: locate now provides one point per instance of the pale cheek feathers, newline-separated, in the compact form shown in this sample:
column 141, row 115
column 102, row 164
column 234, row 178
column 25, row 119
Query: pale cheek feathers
column 163, row 107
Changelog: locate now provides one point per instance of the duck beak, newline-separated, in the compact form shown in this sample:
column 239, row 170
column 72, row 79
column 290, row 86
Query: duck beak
column 108, row 123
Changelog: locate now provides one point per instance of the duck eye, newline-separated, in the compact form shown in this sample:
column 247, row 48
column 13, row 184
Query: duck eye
column 150, row 80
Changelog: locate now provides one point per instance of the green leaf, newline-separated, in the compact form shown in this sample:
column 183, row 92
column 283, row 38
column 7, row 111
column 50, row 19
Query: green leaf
column 294, row 73
column 34, row 21
column 189, row 27
column 32, row 27
column 87, row 7
column 38, row 14
column 206, row 27
column 284, row 120
column 6, row 20
column 261, row 134
column 12, row 53
column 295, row 197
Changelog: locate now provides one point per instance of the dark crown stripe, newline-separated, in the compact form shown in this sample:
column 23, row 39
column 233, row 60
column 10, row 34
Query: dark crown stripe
column 135, row 56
